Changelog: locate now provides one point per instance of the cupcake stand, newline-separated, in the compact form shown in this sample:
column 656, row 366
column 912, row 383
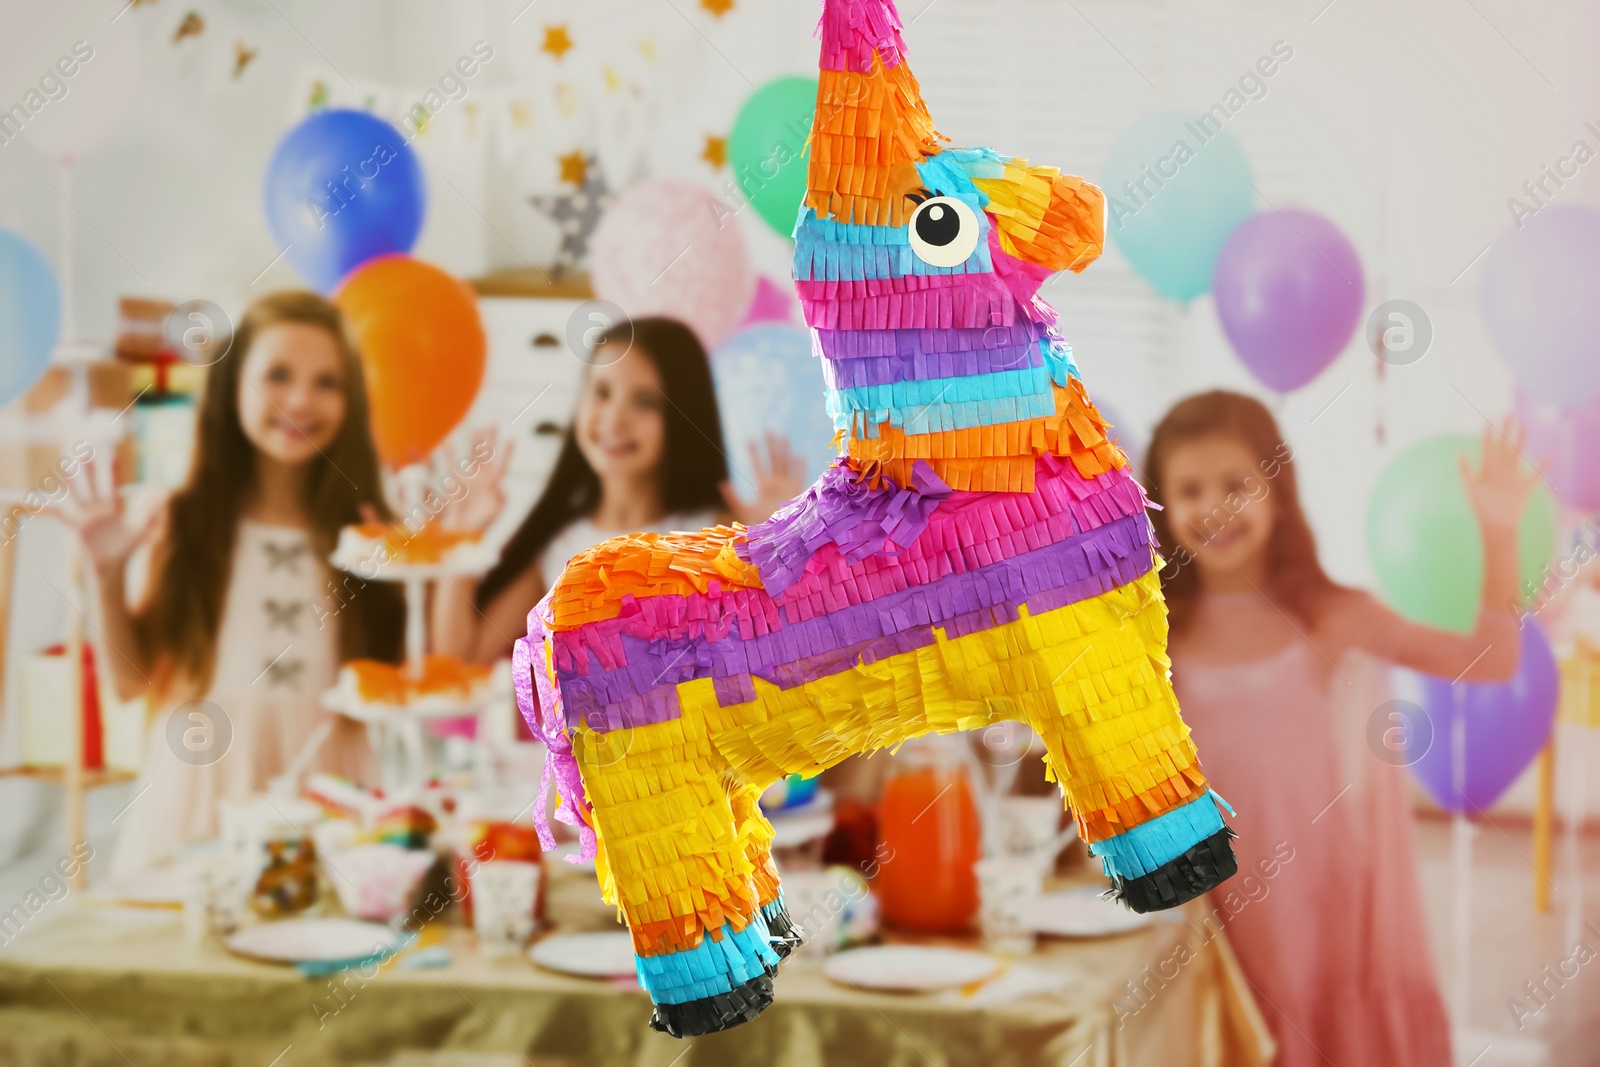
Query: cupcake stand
column 409, row 716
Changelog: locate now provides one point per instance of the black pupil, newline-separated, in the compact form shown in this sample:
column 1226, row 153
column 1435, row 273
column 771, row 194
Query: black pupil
column 937, row 224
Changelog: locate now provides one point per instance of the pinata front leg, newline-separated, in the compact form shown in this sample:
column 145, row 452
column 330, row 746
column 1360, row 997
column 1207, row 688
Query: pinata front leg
column 679, row 866
column 1115, row 741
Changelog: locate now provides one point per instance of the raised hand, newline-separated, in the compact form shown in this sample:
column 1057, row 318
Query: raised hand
column 1499, row 489
column 475, row 499
column 101, row 521
column 779, row 479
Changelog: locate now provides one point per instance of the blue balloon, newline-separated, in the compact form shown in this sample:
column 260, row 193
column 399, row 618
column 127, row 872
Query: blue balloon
column 30, row 315
column 1176, row 185
column 343, row 187
column 768, row 381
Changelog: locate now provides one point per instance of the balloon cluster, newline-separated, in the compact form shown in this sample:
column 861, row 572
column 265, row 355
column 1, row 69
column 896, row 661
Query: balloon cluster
column 346, row 199
column 1428, row 554
column 1288, row 285
column 1541, row 303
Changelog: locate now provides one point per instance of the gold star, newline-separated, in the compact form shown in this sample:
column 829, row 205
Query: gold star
column 574, row 167
column 715, row 152
column 717, row 7
column 613, row 83
column 556, row 41
column 647, row 48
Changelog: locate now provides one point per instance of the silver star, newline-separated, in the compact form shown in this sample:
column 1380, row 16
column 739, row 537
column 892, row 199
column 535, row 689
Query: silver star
column 577, row 214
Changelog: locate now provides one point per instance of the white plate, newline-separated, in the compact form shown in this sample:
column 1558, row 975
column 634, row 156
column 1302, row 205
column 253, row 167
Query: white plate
column 589, row 955
column 1082, row 913
column 432, row 708
column 315, row 941
column 459, row 563
column 914, row 968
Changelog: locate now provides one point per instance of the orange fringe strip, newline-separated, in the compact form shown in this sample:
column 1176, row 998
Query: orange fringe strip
column 997, row 458
column 646, row 565
column 869, row 130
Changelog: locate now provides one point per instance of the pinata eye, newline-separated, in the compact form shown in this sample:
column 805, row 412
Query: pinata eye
column 944, row 231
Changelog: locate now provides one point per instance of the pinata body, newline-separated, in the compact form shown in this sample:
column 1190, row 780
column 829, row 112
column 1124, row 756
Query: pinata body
column 979, row 554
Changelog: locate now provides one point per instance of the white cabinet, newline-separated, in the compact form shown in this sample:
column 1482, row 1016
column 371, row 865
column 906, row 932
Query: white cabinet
column 530, row 390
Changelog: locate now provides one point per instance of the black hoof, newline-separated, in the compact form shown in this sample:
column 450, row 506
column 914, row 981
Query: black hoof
column 721, row 1012
column 1204, row 867
column 785, row 935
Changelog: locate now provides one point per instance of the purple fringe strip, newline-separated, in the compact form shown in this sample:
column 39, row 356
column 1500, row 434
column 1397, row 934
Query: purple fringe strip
column 547, row 720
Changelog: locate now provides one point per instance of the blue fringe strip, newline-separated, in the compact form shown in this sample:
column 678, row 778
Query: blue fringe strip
column 722, row 962
column 1151, row 845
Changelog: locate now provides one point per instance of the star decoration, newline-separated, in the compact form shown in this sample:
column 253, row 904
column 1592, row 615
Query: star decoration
column 556, row 41
column 191, row 26
column 647, row 48
column 574, row 167
column 242, row 58
column 717, row 7
column 576, row 213
column 715, row 152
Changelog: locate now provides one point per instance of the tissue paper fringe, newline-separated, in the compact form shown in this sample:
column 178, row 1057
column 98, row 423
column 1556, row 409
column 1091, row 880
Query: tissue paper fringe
column 604, row 667
column 686, row 854
column 998, row 458
column 871, row 126
column 979, row 553
column 1046, row 217
column 1200, row 869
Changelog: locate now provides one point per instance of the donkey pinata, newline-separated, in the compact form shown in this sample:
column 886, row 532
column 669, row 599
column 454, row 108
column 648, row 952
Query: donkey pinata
column 979, row 553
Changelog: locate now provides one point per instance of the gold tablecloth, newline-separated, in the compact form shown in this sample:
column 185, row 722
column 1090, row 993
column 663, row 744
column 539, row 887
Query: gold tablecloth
column 97, row 985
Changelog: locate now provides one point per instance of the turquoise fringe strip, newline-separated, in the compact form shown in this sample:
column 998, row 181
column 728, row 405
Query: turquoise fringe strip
column 1152, row 845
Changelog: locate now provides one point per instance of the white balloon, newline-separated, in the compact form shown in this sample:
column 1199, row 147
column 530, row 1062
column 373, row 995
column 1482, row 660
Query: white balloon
column 97, row 92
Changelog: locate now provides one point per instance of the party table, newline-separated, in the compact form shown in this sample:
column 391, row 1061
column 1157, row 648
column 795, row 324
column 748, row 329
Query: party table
column 108, row 985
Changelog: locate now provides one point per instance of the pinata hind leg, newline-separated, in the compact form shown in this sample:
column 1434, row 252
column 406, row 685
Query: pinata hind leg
column 687, row 863
column 754, row 829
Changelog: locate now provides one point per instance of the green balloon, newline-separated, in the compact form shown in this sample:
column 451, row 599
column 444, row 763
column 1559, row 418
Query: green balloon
column 768, row 152
column 1425, row 542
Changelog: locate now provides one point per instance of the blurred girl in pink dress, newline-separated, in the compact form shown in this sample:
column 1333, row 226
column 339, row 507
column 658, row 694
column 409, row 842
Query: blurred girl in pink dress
column 237, row 634
column 1279, row 672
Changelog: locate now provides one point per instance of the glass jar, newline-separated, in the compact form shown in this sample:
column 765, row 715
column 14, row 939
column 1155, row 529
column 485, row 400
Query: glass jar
column 931, row 839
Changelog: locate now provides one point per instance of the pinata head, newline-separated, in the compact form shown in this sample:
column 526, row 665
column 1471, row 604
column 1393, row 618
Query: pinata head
column 899, row 233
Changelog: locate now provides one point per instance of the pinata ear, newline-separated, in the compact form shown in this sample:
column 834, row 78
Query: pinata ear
column 1045, row 217
column 871, row 125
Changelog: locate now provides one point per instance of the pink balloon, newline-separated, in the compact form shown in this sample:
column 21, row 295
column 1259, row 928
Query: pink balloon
column 771, row 304
column 1288, row 289
column 661, row 249
column 1566, row 443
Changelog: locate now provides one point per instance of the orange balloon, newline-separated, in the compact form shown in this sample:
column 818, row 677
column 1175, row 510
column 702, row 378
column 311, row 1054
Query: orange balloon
column 422, row 349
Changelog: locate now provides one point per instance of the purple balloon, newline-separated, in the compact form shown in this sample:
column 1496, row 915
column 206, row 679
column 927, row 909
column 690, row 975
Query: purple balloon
column 1541, row 300
column 1288, row 288
column 1506, row 723
column 1566, row 443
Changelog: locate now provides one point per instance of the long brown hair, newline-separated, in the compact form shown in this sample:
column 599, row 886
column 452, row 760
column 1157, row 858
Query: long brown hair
column 193, row 562
column 693, row 463
column 1295, row 578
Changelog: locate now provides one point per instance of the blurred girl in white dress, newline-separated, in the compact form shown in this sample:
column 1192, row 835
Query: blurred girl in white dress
column 241, row 625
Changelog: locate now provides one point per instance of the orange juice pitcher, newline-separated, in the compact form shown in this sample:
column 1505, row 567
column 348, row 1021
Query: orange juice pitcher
column 929, row 825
